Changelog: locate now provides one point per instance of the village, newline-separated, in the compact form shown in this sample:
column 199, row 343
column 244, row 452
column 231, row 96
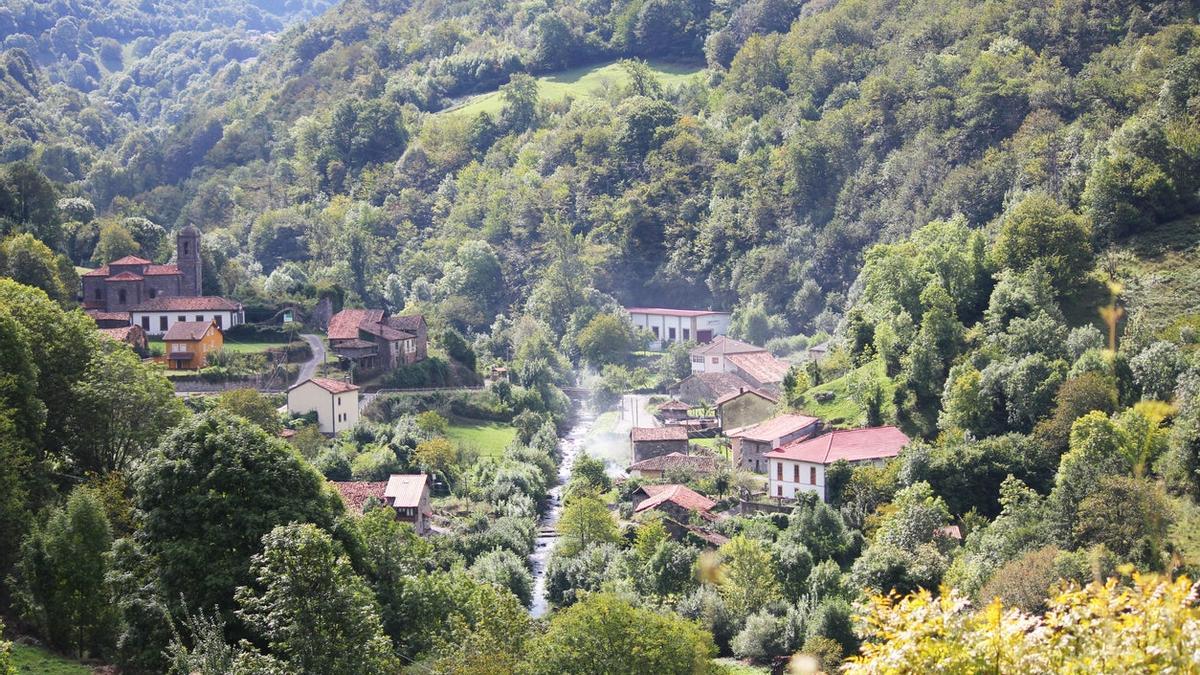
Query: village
column 718, row 442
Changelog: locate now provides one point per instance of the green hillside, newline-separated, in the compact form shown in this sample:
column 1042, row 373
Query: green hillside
column 586, row 81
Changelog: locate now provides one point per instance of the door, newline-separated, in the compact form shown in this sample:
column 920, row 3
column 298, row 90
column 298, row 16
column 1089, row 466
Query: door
column 704, row 336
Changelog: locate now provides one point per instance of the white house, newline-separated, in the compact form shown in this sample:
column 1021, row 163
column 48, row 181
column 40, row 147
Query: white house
column 753, row 364
column 156, row 316
column 679, row 325
column 335, row 402
column 800, row 466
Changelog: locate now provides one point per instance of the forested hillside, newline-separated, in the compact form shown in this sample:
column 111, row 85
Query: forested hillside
column 977, row 221
column 766, row 179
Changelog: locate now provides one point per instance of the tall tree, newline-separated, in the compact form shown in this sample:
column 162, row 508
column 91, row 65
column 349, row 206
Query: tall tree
column 61, row 577
column 122, row 408
column 209, row 493
column 314, row 613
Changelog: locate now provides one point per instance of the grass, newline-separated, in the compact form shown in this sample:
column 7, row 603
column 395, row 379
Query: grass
column 735, row 667
column 841, row 410
column 489, row 439
column 578, row 82
column 1162, row 269
column 40, row 661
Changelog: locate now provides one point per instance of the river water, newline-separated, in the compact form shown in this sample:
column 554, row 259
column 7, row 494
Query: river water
column 583, row 417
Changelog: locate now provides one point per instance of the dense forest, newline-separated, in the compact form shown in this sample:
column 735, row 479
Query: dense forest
column 990, row 207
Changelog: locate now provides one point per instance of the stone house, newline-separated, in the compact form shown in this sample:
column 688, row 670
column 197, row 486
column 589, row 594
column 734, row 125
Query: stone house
column 647, row 442
column 752, row 443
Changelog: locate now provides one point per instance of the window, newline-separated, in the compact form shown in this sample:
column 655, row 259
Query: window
column 410, row 346
column 778, row 490
column 145, row 323
column 812, row 475
column 121, row 296
column 671, row 333
column 185, row 248
column 153, row 292
column 99, row 294
column 687, row 334
column 199, row 317
column 655, row 329
column 217, row 318
column 698, row 359
column 181, row 318
column 716, row 360
column 339, row 401
column 778, row 470
column 795, row 473
column 162, row 323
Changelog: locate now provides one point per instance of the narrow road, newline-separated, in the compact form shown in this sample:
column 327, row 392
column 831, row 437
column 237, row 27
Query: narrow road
column 309, row 368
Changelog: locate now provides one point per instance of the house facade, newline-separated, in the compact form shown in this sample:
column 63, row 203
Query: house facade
column 707, row 388
column 157, row 316
column 650, row 442
column 372, row 340
column 188, row 344
column 679, row 325
column 751, row 445
column 800, row 466
column 334, row 401
column 408, row 495
column 745, row 407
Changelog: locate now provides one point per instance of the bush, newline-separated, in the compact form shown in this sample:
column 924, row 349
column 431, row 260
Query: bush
column 504, row 569
column 432, row 372
column 375, row 465
column 334, row 464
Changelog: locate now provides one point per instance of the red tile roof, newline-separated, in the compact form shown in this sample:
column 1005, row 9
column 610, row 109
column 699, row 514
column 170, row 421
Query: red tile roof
column 198, row 304
column 188, row 331
column 344, row 325
column 680, row 495
column 852, row 445
column 675, row 404
column 125, row 276
column 773, row 429
column 746, row 392
column 130, row 260
column 98, row 272
column 355, row 493
column 717, row 384
column 674, row 433
column 672, row 312
column 331, row 386
column 676, row 460
column 161, row 270
column 405, row 490
column 385, row 331
column 726, row 345
column 407, row 322
column 761, row 366
column 119, row 334
column 98, row 315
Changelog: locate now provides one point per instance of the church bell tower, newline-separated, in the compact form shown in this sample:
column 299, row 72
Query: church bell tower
column 187, row 256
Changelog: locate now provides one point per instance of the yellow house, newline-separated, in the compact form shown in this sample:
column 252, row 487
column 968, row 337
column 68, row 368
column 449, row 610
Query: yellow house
column 335, row 402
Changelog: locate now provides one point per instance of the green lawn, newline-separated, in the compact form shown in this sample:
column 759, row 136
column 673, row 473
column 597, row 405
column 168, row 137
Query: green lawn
column 39, row 661
column 842, row 410
column 1163, row 263
column 578, row 82
column 486, row 438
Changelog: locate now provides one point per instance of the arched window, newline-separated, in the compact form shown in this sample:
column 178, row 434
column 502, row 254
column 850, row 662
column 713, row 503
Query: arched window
column 121, row 296
column 185, row 248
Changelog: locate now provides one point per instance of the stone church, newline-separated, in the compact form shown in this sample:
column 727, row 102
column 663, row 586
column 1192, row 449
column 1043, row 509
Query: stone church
column 128, row 282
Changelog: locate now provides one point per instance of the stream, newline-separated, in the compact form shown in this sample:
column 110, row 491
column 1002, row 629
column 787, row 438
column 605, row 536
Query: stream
column 583, row 417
